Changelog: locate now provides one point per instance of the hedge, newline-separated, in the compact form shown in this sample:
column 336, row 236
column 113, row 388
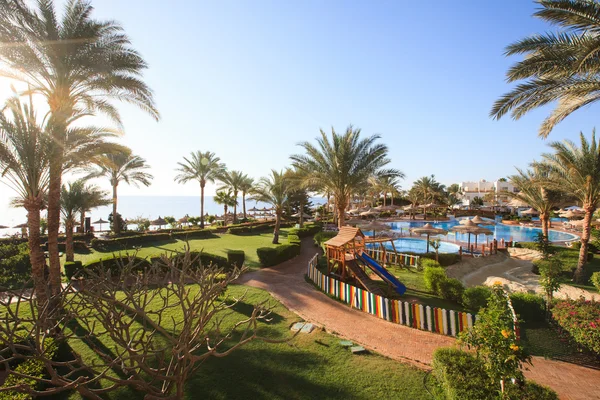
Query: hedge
column 529, row 307
column 294, row 239
column 236, row 257
column 581, row 320
column 72, row 268
column 475, row 298
column 307, row 230
column 116, row 263
column 323, row 236
column 270, row 256
column 84, row 237
column 127, row 242
column 14, row 265
column 462, row 376
column 193, row 234
column 201, row 258
column 239, row 229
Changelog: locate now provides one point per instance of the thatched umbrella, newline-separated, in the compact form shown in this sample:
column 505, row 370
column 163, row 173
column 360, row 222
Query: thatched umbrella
column 100, row 222
column 428, row 230
column 369, row 213
column 530, row 211
column 21, row 226
column 304, row 215
column 471, row 228
column 480, row 221
column 158, row 222
column 571, row 214
column 374, row 226
column 184, row 220
column 4, row 227
column 354, row 221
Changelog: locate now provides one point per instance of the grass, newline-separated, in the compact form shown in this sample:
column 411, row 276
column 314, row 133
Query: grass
column 216, row 245
column 309, row 366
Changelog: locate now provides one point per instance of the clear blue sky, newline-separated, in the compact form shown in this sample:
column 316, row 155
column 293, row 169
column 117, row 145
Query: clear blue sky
column 250, row 79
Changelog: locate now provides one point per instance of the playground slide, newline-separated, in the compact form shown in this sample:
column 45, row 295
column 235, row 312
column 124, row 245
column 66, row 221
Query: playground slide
column 382, row 272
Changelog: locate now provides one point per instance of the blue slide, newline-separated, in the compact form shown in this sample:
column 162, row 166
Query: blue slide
column 382, row 272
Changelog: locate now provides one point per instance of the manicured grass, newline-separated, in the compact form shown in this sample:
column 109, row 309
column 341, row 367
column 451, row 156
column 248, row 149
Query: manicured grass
column 309, row 366
column 217, row 245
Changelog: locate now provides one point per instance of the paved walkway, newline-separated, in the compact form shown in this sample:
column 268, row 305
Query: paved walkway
column 287, row 284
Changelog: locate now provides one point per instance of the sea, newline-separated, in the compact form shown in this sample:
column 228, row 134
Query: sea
column 130, row 207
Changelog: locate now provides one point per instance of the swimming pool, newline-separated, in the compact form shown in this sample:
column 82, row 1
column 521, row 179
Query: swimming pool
column 500, row 231
column 411, row 245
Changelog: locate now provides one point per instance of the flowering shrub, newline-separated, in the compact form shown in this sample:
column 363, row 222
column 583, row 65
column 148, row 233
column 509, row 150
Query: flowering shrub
column 581, row 320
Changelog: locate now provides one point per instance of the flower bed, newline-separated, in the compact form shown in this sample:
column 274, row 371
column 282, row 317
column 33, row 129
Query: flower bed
column 581, row 320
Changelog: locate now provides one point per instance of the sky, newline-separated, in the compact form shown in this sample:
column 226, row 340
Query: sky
column 249, row 80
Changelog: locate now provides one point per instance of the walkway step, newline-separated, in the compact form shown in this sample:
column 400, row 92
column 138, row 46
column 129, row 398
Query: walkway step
column 357, row 349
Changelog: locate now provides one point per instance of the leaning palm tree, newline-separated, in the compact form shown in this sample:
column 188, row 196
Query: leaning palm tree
column 121, row 167
column 533, row 190
column 226, row 199
column 232, row 181
column 341, row 165
column 274, row 190
column 76, row 198
column 575, row 170
column 247, row 187
column 24, row 161
column 562, row 67
column 202, row 167
column 78, row 64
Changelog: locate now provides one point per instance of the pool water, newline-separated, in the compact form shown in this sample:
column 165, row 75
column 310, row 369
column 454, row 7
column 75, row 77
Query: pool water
column 404, row 245
column 500, row 231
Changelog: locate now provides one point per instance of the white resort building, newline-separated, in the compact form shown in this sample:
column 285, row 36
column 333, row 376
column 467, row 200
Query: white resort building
column 485, row 190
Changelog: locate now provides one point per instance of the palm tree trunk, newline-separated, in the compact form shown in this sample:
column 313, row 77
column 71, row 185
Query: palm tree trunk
column 277, row 225
column 36, row 256
column 301, row 214
column 54, row 223
column 544, row 219
column 82, row 221
column 69, row 246
column 201, row 206
column 244, row 203
column 116, row 224
column 384, row 198
column 340, row 205
column 235, row 196
column 585, row 238
column 225, row 215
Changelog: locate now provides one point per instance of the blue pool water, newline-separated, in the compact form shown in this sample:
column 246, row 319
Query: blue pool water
column 404, row 245
column 500, row 231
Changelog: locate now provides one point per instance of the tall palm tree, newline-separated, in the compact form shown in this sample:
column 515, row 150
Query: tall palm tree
column 247, row 187
column 202, row 167
column 533, row 190
column 121, row 167
column 78, row 64
column 576, row 171
column 342, row 164
column 24, row 162
column 413, row 196
column 297, row 189
column 77, row 198
column 561, row 66
column 274, row 190
column 226, row 199
column 232, row 181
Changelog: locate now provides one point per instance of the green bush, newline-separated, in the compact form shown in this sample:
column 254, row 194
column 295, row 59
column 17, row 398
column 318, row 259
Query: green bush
column 294, row 239
column 323, row 236
column 307, row 230
column 529, row 307
column 462, row 376
column 595, row 279
column 270, row 256
column 15, row 266
column 72, row 268
column 116, row 263
column 451, row 289
column 581, row 320
column 128, row 242
column 236, row 257
column 189, row 234
column 428, row 262
column 474, row 298
column 433, row 278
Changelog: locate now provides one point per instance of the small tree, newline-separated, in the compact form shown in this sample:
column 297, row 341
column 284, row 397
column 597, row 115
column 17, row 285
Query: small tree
column 550, row 277
column 171, row 221
column 117, row 224
column 543, row 246
column 495, row 339
column 436, row 244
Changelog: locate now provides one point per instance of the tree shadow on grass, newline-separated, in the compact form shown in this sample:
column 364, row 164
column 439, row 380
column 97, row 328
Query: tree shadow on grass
column 246, row 309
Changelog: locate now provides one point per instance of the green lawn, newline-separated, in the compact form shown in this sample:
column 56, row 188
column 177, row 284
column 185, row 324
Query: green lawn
column 569, row 258
column 311, row 365
column 217, row 245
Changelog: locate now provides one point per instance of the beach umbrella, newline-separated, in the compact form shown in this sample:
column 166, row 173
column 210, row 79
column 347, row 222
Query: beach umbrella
column 480, row 221
column 574, row 208
column 158, row 222
column 471, row 228
column 570, row 214
column 516, row 203
column 254, row 209
column 20, row 226
column 354, row 221
column 369, row 213
column 184, row 220
column 428, row 230
column 374, row 226
column 3, row 227
column 304, row 215
column 530, row 211
column 100, row 222
column 389, row 208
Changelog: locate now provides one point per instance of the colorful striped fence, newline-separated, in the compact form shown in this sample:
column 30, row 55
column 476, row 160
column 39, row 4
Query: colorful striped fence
column 433, row 319
column 408, row 260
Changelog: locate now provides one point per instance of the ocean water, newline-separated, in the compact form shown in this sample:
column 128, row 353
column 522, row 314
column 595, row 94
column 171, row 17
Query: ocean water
column 150, row 207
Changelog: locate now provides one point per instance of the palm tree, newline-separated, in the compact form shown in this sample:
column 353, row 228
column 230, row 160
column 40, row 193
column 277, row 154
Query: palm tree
column 232, row 181
column 413, row 196
column 78, row 64
column 341, row 165
column 202, row 167
column 297, row 191
column 576, row 171
column 561, row 66
column 121, row 167
column 274, row 190
column 226, row 199
column 24, row 161
column 533, row 190
column 247, row 187
column 76, row 198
